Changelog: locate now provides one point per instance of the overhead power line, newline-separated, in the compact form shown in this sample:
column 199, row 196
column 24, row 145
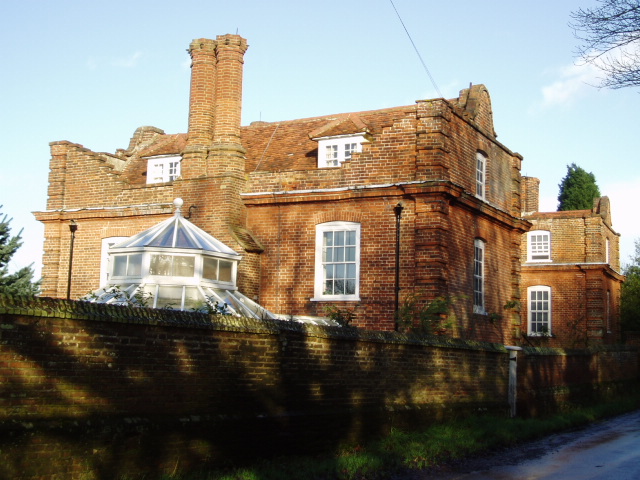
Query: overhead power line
column 424, row 65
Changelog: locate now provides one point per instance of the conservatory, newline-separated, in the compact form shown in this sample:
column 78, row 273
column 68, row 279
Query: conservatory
column 176, row 265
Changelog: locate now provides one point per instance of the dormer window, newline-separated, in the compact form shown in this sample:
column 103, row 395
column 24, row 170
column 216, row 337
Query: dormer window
column 332, row 151
column 162, row 169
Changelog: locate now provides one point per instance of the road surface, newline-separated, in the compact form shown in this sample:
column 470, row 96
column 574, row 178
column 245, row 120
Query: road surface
column 608, row 450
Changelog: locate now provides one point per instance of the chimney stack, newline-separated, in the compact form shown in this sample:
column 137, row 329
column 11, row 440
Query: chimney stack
column 215, row 107
column 530, row 195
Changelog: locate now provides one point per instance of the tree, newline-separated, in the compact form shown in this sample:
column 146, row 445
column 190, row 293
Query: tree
column 610, row 40
column 19, row 283
column 577, row 190
column 630, row 294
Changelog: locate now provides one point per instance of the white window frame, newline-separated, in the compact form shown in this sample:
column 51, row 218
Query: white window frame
column 479, row 250
column 333, row 151
column 162, row 169
column 539, row 246
column 541, row 307
column 128, row 275
column 319, row 283
column 481, row 175
column 105, row 259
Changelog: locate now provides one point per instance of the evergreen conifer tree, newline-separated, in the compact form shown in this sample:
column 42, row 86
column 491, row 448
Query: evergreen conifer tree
column 577, row 190
column 19, row 283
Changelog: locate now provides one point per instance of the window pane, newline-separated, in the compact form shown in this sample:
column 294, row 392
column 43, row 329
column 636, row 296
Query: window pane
column 327, row 254
column 210, row 268
column 350, row 287
column 192, row 298
column 339, row 287
column 351, row 237
column 338, row 255
column 328, row 271
column 183, row 266
column 174, row 170
column 119, row 265
column 134, row 269
column 226, row 271
column 165, row 240
column 351, row 270
column 350, row 254
column 160, row 265
column 338, row 238
column 328, row 239
column 182, row 239
column 169, row 297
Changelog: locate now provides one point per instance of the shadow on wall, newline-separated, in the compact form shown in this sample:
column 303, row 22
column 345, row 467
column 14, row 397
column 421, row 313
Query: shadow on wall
column 97, row 391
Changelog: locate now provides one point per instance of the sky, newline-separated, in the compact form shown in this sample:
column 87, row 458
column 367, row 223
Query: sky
column 92, row 72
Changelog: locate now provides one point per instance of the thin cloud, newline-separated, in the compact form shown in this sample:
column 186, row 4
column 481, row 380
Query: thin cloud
column 127, row 62
column 573, row 82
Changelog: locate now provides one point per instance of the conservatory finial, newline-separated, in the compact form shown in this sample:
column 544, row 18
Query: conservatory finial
column 178, row 202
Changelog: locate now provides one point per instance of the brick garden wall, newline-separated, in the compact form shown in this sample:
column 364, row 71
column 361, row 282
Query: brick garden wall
column 95, row 391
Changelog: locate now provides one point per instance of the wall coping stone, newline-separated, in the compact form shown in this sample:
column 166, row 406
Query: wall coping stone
column 87, row 311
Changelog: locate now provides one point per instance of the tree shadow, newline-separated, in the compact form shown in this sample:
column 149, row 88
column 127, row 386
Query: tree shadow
column 106, row 392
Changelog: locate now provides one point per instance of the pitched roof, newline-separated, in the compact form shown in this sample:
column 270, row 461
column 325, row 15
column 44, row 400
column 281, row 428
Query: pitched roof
column 288, row 145
column 172, row 144
column 278, row 146
column 346, row 125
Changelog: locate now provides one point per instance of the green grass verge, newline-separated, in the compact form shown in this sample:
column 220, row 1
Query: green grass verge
column 436, row 444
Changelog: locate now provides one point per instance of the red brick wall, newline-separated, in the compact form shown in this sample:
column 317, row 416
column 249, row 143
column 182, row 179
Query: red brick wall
column 579, row 304
column 549, row 378
column 579, row 276
column 95, row 390
column 116, row 391
column 422, row 156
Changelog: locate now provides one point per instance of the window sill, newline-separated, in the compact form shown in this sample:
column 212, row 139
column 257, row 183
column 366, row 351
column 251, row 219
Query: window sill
column 336, row 298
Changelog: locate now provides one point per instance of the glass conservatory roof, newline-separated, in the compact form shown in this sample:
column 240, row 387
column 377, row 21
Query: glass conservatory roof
column 176, row 232
column 200, row 275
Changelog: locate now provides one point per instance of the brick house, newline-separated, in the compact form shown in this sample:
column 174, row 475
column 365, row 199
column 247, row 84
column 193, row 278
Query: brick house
column 570, row 275
column 316, row 206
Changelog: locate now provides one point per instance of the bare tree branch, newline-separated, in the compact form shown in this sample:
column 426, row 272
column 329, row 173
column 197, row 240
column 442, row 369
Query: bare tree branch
column 610, row 40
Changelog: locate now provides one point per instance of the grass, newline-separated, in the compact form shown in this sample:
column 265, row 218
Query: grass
column 434, row 445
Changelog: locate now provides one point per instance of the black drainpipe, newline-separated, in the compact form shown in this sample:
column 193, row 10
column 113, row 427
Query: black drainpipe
column 398, row 212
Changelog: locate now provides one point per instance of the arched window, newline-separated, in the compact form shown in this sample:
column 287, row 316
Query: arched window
column 337, row 275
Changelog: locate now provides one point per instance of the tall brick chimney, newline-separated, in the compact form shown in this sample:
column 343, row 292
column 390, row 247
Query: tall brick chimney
column 215, row 107
column 530, row 195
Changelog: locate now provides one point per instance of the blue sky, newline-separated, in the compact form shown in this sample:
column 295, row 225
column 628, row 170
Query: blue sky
column 92, row 72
